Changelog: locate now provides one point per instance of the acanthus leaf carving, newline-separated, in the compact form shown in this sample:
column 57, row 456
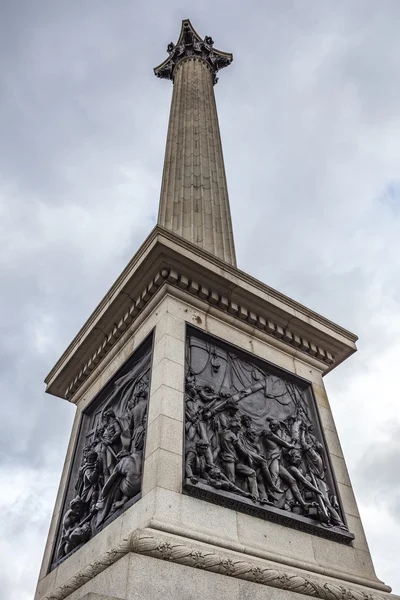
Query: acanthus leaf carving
column 190, row 45
column 150, row 542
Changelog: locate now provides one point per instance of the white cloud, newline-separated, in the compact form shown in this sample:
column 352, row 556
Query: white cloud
column 27, row 498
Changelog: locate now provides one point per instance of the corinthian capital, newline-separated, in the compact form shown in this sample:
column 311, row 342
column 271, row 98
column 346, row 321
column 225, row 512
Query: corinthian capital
column 190, row 44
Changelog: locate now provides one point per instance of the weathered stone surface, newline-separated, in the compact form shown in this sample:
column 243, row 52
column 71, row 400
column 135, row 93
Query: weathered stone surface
column 186, row 514
column 162, row 468
column 166, row 401
column 94, row 596
column 167, row 372
column 111, row 584
column 177, row 582
column 169, row 347
column 236, row 562
column 271, row 537
column 165, row 433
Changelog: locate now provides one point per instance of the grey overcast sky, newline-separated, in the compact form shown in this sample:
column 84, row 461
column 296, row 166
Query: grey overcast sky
column 310, row 122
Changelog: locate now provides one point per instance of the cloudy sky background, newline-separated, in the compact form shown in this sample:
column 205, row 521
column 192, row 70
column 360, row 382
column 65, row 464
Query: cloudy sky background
column 310, row 122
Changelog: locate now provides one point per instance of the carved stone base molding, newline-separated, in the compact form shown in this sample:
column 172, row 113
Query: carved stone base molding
column 92, row 596
column 182, row 551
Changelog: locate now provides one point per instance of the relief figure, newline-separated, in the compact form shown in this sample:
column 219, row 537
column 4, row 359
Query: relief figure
column 251, row 432
column 108, row 473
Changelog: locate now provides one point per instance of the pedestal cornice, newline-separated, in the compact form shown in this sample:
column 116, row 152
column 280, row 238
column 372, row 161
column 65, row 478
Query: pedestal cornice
column 167, row 263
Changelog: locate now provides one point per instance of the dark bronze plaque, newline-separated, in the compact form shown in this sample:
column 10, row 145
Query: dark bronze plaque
column 253, row 440
column 106, row 474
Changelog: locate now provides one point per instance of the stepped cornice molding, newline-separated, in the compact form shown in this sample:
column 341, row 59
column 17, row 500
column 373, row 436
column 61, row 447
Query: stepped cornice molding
column 167, row 263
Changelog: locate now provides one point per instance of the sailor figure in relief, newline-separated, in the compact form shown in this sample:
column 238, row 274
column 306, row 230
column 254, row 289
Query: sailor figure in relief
column 250, row 433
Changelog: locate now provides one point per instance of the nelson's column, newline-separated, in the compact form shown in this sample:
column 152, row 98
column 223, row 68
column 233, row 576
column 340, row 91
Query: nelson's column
column 204, row 461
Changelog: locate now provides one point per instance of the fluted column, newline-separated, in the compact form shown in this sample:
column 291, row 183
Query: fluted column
column 194, row 199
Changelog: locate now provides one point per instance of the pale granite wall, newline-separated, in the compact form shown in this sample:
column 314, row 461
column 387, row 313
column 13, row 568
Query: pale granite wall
column 164, row 509
column 113, row 361
column 197, row 516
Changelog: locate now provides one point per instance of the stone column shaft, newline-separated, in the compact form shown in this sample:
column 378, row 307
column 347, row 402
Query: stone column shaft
column 194, row 199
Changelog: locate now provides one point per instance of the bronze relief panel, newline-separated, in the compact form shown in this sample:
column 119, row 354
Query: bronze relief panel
column 106, row 474
column 253, row 440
